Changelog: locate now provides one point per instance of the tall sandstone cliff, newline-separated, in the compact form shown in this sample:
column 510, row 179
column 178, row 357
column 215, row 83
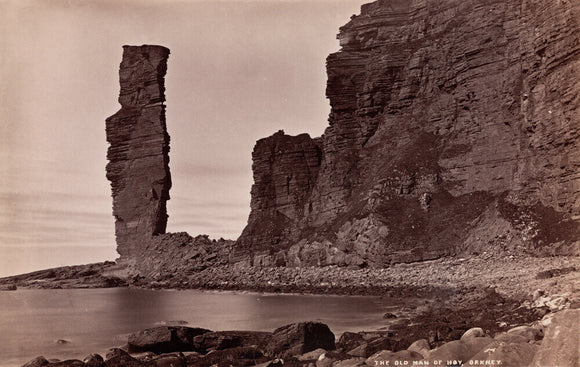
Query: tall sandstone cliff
column 454, row 128
column 139, row 150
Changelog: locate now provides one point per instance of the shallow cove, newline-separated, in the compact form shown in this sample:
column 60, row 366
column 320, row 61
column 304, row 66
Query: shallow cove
column 72, row 323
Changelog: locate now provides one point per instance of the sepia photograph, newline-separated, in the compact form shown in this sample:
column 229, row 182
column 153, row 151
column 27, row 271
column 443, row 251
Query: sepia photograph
column 309, row 183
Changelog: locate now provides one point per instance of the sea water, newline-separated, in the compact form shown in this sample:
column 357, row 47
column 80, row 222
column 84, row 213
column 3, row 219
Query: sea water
column 72, row 323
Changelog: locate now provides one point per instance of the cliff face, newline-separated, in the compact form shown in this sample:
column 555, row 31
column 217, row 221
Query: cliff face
column 138, row 154
column 454, row 128
column 285, row 172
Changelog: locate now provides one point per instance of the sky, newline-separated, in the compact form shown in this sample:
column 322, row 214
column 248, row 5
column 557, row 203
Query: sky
column 238, row 71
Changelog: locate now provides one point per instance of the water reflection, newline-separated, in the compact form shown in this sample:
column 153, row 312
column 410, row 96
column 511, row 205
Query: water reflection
column 94, row 320
column 137, row 307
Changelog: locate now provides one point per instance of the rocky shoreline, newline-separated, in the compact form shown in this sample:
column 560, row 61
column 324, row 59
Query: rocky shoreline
column 452, row 279
column 550, row 342
column 453, row 295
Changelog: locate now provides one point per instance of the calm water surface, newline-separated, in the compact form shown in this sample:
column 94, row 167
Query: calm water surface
column 94, row 320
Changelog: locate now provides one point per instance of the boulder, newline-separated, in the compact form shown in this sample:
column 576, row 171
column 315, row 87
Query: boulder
column 388, row 358
column 241, row 356
column 460, row 350
column 94, row 360
column 510, row 354
column 313, row 355
column 69, row 363
column 218, row 340
column 325, row 360
column 367, row 349
column 145, row 356
column 527, row 332
column 351, row 362
column 554, row 302
column 473, row 332
column 537, row 294
column 164, row 339
column 511, row 338
column 169, row 360
column 561, row 341
column 399, row 324
column 300, row 338
column 37, row 362
column 273, row 363
column 558, row 303
column 546, row 320
column 349, row 340
column 117, row 357
column 420, row 346
column 116, row 353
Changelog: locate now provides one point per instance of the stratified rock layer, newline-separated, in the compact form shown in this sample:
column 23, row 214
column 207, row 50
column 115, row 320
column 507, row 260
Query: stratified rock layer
column 453, row 128
column 285, row 172
column 138, row 155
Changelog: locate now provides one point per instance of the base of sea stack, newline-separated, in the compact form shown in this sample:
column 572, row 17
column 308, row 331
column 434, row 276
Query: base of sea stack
column 553, row 341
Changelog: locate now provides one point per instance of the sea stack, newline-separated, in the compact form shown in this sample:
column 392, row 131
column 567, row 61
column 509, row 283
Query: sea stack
column 138, row 154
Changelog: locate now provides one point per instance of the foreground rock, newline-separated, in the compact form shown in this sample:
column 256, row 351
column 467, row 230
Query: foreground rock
column 560, row 346
column 310, row 344
column 165, row 339
column 36, row 362
column 238, row 356
column 220, row 340
column 117, row 358
column 510, row 354
column 93, row 360
column 365, row 344
column 461, row 350
column 386, row 357
column 420, row 346
column 297, row 339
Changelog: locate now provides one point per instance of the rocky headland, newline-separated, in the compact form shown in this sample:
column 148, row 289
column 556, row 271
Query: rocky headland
column 453, row 132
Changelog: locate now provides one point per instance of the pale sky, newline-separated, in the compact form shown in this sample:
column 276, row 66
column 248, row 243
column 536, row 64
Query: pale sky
column 238, row 71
